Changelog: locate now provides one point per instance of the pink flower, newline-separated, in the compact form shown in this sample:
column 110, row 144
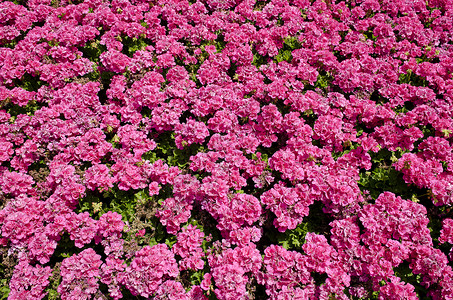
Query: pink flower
column 80, row 275
column 115, row 61
column 148, row 269
column 211, row 49
column 188, row 247
column 110, row 224
column 153, row 188
column 29, row 282
column 190, row 132
column 447, row 231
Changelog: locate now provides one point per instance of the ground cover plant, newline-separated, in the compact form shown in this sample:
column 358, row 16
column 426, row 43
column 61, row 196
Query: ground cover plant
column 226, row 149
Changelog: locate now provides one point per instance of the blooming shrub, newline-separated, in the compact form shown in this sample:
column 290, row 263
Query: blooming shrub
column 149, row 269
column 80, row 275
column 210, row 149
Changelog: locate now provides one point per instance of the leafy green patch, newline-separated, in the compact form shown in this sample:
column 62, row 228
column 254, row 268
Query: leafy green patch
column 324, row 80
column 7, row 265
column 132, row 45
column 285, row 54
column 167, row 151
column 405, row 273
column 410, row 78
column 259, row 60
column 316, row 222
column 384, row 177
column 93, row 50
column 115, row 200
column 55, row 280
column 4, row 289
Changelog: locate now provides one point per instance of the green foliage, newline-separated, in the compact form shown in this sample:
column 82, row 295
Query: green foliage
column 115, row 200
column 8, row 44
column 259, row 5
column 384, row 177
column 316, row 222
column 93, row 50
column 285, row 54
column 66, row 248
column 347, row 147
column 196, row 277
column 292, row 42
column 219, row 42
column 404, row 272
column 319, row 278
column 4, row 289
column 446, row 133
column 53, row 286
column 54, row 42
column 106, row 77
column 165, row 144
column 370, row 296
column 144, row 24
column 232, row 71
column 15, row 110
column 259, row 60
column 181, row 158
column 207, row 224
column 167, row 151
column 412, row 79
column 369, row 35
column 436, row 215
column 95, row 75
column 324, row 80
column 132, row 45
column 294, row 239
column 161, row 236
column 31, row 83
column 264, row 157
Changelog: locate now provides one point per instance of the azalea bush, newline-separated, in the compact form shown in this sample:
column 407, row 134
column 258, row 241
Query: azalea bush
column 226, row 149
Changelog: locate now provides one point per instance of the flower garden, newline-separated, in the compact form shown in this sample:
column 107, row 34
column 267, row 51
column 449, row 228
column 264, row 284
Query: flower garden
column 226, row 149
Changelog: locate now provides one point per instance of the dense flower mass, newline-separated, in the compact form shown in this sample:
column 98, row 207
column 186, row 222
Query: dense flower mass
column 226, row 149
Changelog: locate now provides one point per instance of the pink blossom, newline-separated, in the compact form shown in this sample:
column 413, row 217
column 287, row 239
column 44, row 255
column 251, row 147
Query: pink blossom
column 80, row 275
column 145, row 274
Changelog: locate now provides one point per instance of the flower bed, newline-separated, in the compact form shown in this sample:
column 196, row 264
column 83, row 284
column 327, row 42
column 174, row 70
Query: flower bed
column 226, row 149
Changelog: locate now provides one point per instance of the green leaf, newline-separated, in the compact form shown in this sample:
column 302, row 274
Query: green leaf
column 141, row 197
column 170, row 241
column 4, row 289
column 292, row 42
column 285, row 244
column 284, row 56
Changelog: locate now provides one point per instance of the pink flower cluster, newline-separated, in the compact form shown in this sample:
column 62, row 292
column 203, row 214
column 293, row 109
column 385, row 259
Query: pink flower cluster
column 233, row 269
column 188, row 247
column 29, row 282
column 288, row 274
column 80, row 275
column 291, row 107
column 149, row 269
